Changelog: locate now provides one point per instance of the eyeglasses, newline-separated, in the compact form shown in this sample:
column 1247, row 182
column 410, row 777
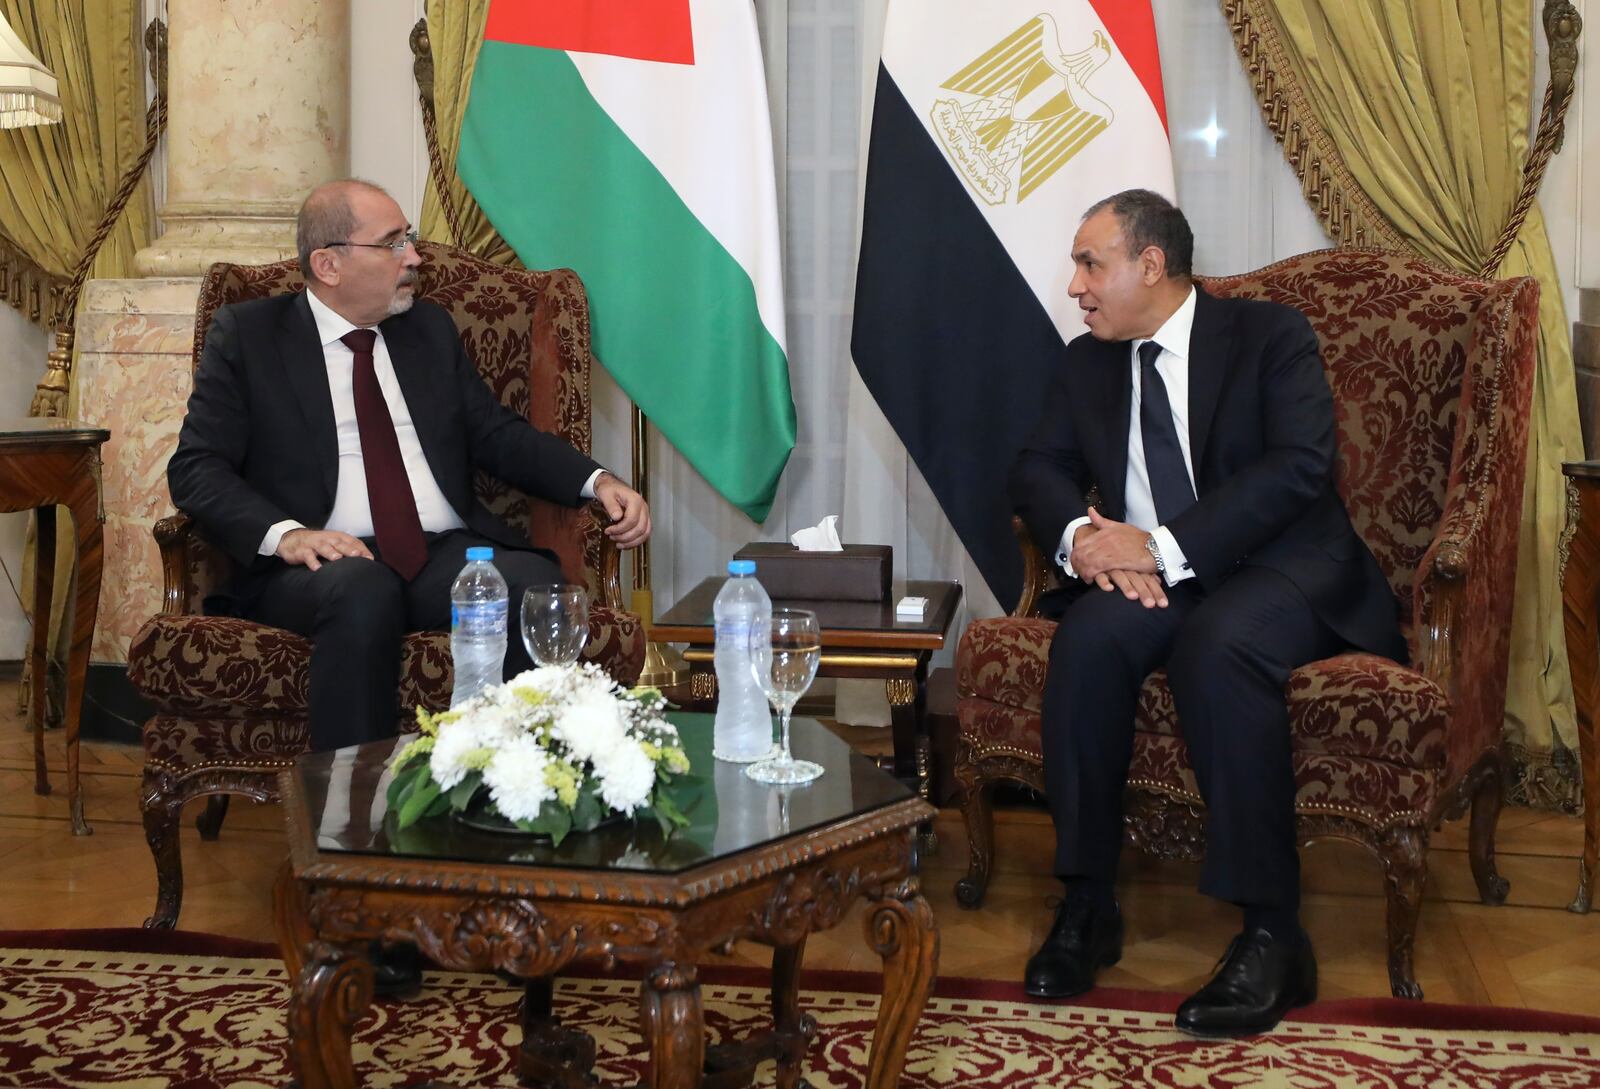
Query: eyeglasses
column 397, row 247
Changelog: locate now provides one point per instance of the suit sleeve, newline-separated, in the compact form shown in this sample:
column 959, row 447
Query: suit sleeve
column 1256, row 504
column 204, row 474
column 1048, row 484
column 508, row 447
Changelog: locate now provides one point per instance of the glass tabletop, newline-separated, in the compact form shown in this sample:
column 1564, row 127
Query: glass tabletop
column 345, row 796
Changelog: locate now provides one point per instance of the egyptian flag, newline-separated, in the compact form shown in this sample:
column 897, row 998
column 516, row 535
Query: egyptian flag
column 994, row 127
column 630, row 141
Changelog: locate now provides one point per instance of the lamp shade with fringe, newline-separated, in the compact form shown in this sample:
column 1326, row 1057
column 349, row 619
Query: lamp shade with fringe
column 28, row 94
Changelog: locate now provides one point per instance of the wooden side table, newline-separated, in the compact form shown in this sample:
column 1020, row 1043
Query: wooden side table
column 1581, row 610
column 45, row 463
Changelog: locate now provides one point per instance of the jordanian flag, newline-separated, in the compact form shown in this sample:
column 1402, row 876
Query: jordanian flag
column 630, row 141
column 996, row 124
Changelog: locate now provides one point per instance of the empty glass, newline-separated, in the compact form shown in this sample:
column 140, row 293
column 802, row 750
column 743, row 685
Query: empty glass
column 784, row 653
column 555, row 623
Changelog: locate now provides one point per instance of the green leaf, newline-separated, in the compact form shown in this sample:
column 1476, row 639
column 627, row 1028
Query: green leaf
column 462, row 792
column 668, row 811
column 401, row 785
column 417, row 802
column 553, row 821
column 588, row 811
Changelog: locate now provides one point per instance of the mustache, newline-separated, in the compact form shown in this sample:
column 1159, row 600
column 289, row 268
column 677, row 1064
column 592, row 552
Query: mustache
column 408, row 277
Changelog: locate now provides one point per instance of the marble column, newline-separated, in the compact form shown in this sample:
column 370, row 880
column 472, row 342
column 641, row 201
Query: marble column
column 259, row 112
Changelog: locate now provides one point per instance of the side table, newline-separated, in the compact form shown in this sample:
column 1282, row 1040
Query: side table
column 860, row 639
column 45, row 463
column 757, row 863
column 1580, row 600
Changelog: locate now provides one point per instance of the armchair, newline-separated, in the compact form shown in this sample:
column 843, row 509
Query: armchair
column 1432, row 375
column 229, row 694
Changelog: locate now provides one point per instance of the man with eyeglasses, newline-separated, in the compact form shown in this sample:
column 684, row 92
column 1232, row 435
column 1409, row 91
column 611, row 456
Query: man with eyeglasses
column 329, row 448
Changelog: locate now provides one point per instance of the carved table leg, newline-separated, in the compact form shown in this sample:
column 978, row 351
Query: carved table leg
column 900, row 927
column 330, row 994
column 793, row 1030
column 674, row 1026
column 552, row 1056
column 44, row 568
column 88, row 517
column 291, row 921
column 913, row 752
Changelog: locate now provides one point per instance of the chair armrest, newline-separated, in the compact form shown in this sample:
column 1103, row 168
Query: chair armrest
column 1035, row 572
column 610, row 558
column 173, row 535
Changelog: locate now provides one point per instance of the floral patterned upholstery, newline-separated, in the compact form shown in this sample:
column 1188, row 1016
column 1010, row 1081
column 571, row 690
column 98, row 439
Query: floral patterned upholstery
column 1431, row 375
column 231, row 694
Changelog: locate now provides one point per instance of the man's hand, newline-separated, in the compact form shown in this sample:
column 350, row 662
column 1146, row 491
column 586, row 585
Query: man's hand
column 1148, row 590
column 1113, row 546
column 311, row 546
column 630, row 514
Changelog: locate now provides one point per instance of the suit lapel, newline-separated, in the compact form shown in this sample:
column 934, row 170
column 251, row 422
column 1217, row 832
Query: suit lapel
column 1210, row 345
column 307, row 370
column 411, row 371
column 1117, row 372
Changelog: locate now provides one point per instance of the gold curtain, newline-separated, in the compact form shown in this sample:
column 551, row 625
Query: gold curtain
column 455, row 30
column 1408, row 124
column 56, row 180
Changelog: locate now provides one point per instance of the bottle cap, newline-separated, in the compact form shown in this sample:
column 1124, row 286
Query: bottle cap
column 479, row 552
column 741, row 567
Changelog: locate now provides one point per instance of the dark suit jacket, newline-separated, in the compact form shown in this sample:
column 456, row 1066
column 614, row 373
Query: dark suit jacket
column 1262, row 443
column 258, row 445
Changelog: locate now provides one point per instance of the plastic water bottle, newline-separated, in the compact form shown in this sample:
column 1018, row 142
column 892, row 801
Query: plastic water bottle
column 478, row 600
column 743, row 730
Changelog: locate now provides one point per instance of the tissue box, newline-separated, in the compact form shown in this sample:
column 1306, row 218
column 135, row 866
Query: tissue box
column 860, row 573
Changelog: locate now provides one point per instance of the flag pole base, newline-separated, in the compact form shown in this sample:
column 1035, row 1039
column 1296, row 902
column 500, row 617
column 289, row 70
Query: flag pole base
column 664, row 667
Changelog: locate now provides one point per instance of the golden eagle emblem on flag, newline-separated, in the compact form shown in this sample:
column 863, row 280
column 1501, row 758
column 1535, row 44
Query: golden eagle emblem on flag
column 1028, row 101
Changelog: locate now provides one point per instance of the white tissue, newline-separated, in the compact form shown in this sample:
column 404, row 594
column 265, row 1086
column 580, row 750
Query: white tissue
column 822, row 537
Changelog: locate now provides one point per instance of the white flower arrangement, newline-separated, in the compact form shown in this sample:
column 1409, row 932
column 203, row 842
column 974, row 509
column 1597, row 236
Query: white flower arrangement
column 555, row 749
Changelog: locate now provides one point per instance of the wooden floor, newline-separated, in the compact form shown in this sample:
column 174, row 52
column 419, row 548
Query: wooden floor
column 1530, row 952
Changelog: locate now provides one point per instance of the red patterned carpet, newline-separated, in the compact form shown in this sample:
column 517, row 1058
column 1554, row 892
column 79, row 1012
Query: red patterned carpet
column 169, row 1010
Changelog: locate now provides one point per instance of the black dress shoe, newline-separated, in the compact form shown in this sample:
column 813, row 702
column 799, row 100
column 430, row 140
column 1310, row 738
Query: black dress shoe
column 1262, row 978
column 396, row 970
column 1083, row 939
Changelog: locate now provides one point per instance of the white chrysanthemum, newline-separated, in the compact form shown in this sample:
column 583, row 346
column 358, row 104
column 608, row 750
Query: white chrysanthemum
column 515, row 777
column 550, row 680
column 626, row 775
column 591, row 725
column 457, row 740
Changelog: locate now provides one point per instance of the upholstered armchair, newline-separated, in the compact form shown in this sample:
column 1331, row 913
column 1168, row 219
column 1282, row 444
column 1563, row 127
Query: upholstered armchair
column 1432, row 376
column 229, row 694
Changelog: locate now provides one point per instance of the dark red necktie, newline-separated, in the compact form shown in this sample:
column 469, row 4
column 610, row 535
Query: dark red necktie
column 394, row 508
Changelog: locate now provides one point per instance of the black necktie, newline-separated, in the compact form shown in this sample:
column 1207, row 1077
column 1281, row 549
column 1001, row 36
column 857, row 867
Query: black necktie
column 1163, row 457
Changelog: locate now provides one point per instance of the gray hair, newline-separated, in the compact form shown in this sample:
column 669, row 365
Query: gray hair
column 325, row 218
column 1150, row 219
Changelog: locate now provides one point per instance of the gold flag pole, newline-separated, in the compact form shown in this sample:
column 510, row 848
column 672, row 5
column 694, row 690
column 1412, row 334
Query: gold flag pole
column 664, row 667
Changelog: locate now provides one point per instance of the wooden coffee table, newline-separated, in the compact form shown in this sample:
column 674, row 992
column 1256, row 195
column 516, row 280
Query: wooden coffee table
column 757, row 864
column 860, row 639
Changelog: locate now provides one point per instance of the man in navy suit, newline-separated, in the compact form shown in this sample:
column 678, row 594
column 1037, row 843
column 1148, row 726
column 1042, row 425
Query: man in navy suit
column 329, row 449
column 1220, row 549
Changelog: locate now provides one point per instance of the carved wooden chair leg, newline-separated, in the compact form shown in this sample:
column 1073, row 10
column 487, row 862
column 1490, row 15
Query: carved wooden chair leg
column 161, row 814
column 792, row 1029
column 1404, row 852
column 977, row 808
column 1487, row 798
column 209, row 823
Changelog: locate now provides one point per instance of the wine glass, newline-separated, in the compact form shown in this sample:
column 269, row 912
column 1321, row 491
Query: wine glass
column 784, row 653
column 555, row 623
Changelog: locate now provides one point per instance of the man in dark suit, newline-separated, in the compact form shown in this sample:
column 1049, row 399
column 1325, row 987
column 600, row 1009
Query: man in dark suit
column 329, row 449
column 1220, row 549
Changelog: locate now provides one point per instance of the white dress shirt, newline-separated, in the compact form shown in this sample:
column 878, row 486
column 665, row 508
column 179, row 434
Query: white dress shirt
column 352, row 512
column 1173, row 366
